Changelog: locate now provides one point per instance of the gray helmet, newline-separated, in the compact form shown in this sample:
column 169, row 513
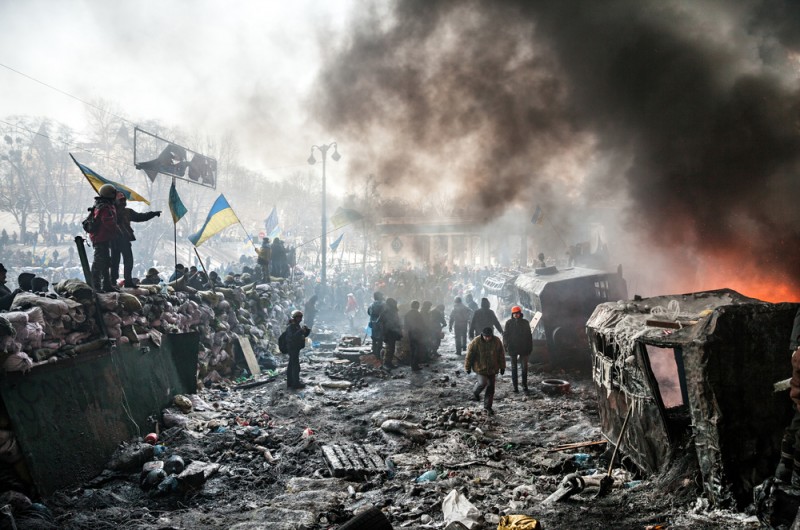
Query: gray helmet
column 107, row 191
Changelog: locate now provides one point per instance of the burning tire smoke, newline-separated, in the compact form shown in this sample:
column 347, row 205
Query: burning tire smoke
column 684, row 118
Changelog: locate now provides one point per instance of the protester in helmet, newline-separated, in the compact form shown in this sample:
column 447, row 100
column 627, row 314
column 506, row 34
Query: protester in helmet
column 295, row 341
column 152, row 277
column 105, row 231
column 518, row 342
column 121, row 244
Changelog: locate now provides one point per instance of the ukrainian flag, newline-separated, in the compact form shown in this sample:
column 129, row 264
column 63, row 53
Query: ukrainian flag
column 176, row 207
column 219, row 218
column 96, row 181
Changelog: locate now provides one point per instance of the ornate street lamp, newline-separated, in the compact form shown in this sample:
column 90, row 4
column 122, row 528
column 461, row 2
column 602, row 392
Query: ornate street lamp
column 311, row 160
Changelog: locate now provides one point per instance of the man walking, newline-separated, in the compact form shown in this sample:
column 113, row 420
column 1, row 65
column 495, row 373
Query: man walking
column 483, row 318
column 485, row 355
column 459, row 321
column 393, row 332
column 295, row 341
column 518, row 341
column 376, row 323
column 415, row 329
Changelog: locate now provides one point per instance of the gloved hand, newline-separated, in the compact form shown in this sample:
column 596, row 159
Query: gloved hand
column 502, row 371
column 158, row 213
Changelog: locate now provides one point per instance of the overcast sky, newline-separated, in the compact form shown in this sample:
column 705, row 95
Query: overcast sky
column 202, row 65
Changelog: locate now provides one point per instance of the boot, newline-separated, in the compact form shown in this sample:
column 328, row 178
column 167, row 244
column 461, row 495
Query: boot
column 476, row 396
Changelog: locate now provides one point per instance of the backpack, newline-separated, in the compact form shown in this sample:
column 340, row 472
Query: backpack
column 89, row 226
column 283, row 343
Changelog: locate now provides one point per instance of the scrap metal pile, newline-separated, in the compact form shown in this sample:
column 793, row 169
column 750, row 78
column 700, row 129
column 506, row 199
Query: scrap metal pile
column 41, row 329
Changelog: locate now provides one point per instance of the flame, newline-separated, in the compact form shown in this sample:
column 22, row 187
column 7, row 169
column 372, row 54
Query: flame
column 747, row 278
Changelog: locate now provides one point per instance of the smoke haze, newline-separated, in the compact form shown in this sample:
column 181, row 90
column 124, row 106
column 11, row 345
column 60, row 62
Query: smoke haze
column 683, row 118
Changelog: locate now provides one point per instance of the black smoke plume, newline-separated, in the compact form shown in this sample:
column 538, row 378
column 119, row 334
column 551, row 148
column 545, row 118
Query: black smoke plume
column 686, row 113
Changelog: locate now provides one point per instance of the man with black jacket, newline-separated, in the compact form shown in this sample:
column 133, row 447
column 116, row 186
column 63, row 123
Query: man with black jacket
column 376, row 323
column 483, row 318
column 121, row 244
column 518, row 342
column 296, row 341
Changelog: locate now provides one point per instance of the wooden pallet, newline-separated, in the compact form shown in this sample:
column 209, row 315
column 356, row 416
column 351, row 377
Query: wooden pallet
column 352, row 460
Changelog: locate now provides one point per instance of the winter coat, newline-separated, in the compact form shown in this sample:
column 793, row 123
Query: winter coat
column 376, row 323
column 794, row 343
column 460, row 316
column 483, row 318
column 296, row 336
column 517, row 337
column 414, row 324
column 485, row 357
column 125, row 216
column 6, row 297
column 105, row 219
column 393, row 328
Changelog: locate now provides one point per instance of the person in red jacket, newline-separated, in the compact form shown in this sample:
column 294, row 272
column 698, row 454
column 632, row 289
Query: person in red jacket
column 104, row 232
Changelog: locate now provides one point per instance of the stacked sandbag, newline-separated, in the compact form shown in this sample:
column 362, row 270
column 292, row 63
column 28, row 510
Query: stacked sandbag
column 41, row 328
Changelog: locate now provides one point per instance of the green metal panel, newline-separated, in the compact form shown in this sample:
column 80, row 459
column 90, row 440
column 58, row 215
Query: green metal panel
column 70, row 416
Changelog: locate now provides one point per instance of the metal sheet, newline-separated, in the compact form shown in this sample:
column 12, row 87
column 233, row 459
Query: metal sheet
column 70, row 416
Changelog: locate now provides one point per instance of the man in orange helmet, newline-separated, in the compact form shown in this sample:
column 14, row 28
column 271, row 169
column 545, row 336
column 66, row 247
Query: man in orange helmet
column 518, row 342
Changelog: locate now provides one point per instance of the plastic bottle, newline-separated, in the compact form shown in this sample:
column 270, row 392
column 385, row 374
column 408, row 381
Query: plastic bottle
column 428, row 476
column 582, row 459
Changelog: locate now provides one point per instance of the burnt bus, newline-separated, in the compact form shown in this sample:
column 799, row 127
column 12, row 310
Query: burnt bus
column 563, row 300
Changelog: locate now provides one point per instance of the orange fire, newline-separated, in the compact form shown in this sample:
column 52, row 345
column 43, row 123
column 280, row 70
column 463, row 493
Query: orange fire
column 747, row 279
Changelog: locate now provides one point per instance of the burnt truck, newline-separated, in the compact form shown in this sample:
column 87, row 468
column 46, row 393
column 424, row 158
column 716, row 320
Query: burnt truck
column 560, row 301
column 499, row 289
column 694, row 375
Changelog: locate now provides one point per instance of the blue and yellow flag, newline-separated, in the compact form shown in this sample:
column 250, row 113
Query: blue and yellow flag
column 219, row 218
column 97, row 181
column 344, row 216
column 335, row 244
column 271, row 224
column 176, row 206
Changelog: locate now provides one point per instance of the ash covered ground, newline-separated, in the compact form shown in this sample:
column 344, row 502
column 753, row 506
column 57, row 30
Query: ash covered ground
column 261, row 468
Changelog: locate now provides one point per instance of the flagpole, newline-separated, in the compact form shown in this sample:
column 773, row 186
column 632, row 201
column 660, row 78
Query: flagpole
column 175, row 232
column 204, row 270
column 248, row 235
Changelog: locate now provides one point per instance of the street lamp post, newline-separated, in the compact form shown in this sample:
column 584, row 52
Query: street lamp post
column 324, row 239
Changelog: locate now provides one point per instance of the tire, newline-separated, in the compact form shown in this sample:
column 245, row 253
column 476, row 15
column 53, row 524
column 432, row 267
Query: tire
column 555, row 386
column 371, row 519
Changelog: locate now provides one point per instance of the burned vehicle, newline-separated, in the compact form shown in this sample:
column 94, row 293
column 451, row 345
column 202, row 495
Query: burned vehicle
column 694, row 373
column 499, row 290
column 564, row 299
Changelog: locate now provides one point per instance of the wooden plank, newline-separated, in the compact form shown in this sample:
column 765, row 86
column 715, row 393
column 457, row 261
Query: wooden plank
column 576, row 445
column 249, row 356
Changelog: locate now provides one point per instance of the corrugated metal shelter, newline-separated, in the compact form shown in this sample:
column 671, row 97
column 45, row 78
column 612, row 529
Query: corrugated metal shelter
column 697, row 370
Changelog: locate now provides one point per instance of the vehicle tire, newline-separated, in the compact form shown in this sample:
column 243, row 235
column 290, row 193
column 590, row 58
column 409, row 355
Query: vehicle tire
column 371, row 519
column 555, row 386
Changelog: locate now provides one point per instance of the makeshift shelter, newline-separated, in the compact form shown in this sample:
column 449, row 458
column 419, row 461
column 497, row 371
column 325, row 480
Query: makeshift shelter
column 696, row 370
